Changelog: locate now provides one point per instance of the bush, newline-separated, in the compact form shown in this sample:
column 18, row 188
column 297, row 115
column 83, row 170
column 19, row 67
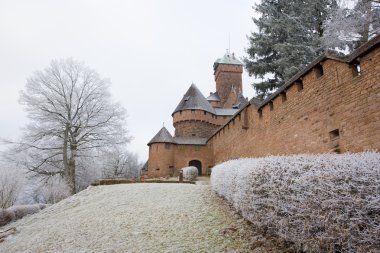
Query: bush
column 318, row 202
column 190, row 173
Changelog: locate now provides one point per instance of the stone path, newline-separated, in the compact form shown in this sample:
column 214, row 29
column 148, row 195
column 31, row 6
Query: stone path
column 134, row 218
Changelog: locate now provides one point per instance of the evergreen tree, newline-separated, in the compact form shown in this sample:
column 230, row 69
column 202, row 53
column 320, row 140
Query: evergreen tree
column 288, row 39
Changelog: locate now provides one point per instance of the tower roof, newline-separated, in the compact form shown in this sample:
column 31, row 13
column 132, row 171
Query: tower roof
column 163, row 136
column 227, row 59
column 193, row 99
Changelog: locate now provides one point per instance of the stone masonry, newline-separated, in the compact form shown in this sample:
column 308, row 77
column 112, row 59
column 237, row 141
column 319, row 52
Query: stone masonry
column 333, row 105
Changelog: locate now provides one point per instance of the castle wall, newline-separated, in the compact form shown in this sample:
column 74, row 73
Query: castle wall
column 336, row 112
column 161, row 160
column 185, row 153
column 196, row 123
column 194, row 128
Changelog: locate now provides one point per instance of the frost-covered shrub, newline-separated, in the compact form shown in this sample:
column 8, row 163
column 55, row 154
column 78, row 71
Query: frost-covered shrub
column 319, row 202
column 190, row 173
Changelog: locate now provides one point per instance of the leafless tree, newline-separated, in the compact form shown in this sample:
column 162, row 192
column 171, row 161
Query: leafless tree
column 71, row 115
column 10, row 186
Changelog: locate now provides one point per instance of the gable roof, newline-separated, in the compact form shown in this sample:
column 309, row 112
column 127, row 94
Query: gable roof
column 194, row 99
column 163, row 136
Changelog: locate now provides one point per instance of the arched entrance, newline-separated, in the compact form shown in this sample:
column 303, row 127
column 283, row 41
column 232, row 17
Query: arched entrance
column 198, row 165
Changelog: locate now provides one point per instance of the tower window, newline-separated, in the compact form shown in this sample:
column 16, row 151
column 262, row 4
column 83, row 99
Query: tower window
column 167, row 145
column 283, row 96
column 271, row 105
column 299, row 84
column 356, row 69
column 319, row 70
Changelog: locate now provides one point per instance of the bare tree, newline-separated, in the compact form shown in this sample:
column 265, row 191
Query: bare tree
column 352, row 26
column 11, row 182
column 71, row 115
column 118, row 162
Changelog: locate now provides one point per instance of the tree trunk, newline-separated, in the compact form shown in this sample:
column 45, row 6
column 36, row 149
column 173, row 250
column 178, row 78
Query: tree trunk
column 68, row 163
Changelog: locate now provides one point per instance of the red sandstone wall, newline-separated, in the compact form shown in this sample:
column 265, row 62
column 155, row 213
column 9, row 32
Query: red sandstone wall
column 185, row 153
column 308, row 120
column 225, row 77
column 161, row 160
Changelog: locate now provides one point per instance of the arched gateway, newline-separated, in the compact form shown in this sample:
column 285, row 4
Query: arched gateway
column 198, row 165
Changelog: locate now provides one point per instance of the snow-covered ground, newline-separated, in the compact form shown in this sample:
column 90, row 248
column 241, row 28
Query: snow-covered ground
column 133, row 218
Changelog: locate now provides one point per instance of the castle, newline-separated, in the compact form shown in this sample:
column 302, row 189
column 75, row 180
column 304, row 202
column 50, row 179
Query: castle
column 333, row 105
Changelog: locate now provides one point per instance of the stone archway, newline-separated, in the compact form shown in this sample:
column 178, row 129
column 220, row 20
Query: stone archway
column 198, row 165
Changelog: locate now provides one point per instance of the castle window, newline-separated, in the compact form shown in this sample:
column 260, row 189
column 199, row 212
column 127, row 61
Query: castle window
column 204, row 112
column 299, row 84
column 167, row 145
column 356, row 69
column 334, row 134
column 319, row 70
column 260, row 113
column 283, row 96
column 192, row 110
column 271, row 105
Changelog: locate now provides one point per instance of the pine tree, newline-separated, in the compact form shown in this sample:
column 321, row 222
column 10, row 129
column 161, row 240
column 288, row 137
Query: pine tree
column 287, row 40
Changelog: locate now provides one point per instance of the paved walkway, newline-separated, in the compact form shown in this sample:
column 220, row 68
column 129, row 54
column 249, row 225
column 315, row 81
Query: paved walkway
column 134, row 218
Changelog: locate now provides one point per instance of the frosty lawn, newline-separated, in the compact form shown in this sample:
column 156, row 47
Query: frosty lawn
column 132, row 218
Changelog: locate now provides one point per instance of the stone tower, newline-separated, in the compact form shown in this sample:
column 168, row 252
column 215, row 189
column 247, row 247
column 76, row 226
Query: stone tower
column 228, row 78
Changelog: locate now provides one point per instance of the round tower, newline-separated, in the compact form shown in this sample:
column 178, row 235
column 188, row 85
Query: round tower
column 161, row 154
column 194, row 116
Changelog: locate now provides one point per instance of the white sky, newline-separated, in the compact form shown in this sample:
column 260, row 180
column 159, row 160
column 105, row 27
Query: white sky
column 151, row 50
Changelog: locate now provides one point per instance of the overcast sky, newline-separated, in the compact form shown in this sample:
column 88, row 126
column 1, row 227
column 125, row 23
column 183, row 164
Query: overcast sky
column 151, row 50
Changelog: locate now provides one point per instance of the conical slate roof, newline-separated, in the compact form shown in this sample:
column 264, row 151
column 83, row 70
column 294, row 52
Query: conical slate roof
column 163, row 136
column 193, row 99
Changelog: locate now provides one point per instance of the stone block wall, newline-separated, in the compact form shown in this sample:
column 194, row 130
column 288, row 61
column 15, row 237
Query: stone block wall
column 338, row 111
column 161, row 160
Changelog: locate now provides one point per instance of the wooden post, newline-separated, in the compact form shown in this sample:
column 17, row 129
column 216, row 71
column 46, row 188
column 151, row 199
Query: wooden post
column 181, row 176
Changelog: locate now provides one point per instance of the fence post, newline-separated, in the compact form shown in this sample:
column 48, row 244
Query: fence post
column 181, row 176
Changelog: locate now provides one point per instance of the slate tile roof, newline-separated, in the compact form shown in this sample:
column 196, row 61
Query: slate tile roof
column 163, row 136
column 194, row 99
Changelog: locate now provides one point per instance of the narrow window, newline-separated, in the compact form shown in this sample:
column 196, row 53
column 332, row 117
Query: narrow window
column 299, row 84
column 271, row 105
column 167, row 145
column 334, row 134
column 319, row 70
column 356, row 69
column 192, row 110
column 283, row 96
column 204, row 112
column 260, row 113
